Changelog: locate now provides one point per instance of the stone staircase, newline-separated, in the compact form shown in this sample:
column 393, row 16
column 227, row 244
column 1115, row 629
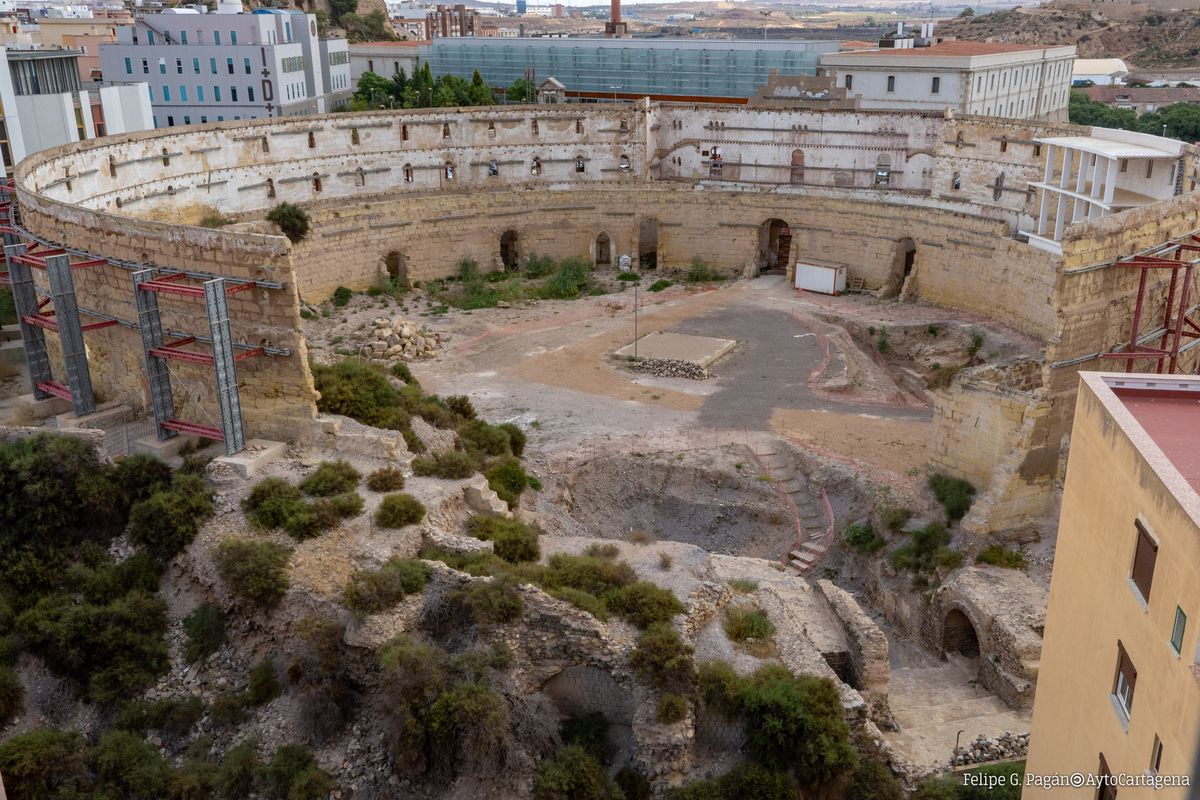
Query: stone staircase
column 814, row 521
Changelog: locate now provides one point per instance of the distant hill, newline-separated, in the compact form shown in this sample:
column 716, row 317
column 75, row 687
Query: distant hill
column 1142, row 37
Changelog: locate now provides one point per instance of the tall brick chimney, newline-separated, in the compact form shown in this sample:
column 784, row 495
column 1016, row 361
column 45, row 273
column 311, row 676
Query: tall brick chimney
column 614, row 28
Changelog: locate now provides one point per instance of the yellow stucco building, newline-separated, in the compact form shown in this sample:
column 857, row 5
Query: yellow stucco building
column 1119, row 685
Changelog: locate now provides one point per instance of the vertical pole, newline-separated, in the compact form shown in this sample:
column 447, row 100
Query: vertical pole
column 150, row 324
column 1162, row 343
column 1182, row 320
column 1137, row 318
column 635, row 317
column 224, row 366
column 25, row 300
column 70, row 335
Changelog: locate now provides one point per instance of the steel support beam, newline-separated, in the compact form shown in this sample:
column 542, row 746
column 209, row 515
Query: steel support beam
column 70, row 334
column 150, row 324
column 223, row 366
column 25, row 300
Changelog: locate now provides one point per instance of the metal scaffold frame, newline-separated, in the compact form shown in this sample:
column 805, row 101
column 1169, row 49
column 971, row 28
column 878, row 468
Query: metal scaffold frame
column 1179, row 320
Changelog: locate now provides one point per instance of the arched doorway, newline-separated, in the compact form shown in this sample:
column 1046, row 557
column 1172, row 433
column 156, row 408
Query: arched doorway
column 959, row 635
column 603, row 250
column 648, row 243
column 508, row 250
column 774, row 246
column 797, row 166
column 397, row 268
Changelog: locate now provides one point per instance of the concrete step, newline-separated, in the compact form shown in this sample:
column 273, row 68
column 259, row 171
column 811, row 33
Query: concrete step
column 9, row 332
column 812, row 547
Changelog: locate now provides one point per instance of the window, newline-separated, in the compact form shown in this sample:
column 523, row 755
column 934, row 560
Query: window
column 849, row 82
column 360, row 177
column 183, row 37
column 145, row 67
column 312, row 140
column 179, row 66
column 1144, row 555
column 580, row 164
column 149, row 37
column 883, row 171
column 1156, row 756
column 936, row 85
column 287, row 30
column 183, row 94
column 891, row 83
column 1149, row 169
column 170, row 122
column 233, row 37
column 187, row 119
column 404, row 133
column 445, row 130
column 1124, row 165
column 266, row 145
column 448, row 170
column 316, row 182
column 129, row 66
column 199, row 94
column 408, row 173
column 166, row 94
column 956, row 182
column 196, row 66
column 229, row 64
column 1004, row 145
column 217, row 94
column 578, row 126
column 162, row 66
column 536, row 167
column 1125, row 681
column 1107, row 790
column 354, row 137
column 233, row 94
column 216, row 37
column 1177, row 630
column 212, row 65
column 246, row 63
column 493, row 168
column 623, row 164
column 270, row 181
column 1037, row 150
column 534, row 127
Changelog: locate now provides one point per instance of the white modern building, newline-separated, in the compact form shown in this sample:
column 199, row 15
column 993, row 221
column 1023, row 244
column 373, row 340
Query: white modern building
column 42, row 104
column 384, row 58
column 984, row 78
column 230, row 65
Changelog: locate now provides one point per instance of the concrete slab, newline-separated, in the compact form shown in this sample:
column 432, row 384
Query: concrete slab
column 258, row 453
column 163, row 450
column 698, row 350
column 106, row 416
column 12, row 351
column 44, row 409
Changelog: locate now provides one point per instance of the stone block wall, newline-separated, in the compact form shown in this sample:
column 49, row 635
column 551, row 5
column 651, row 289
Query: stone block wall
column 868, row 647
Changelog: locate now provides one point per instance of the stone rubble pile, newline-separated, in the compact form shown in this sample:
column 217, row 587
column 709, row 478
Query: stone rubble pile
column 400, row 338
column 1005, row 747
column 668, row 368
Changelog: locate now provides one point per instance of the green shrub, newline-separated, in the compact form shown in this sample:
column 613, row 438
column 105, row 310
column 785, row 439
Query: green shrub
column 341, row 296
column 461, row 405
column 671, row 708
column 629, row 277
column 1008, row 778
column 572, row 278
column 235, row 777
column 114, row 649
column 291, row 219
column 172, row 716
column 330, row 478
column 743, row 586
column 643, row 603
column 507, row 479
column 205, row 629
column 573, row 774
column 955, row 495
column 581, row 600
column 596, row 576
column 538, row 266
column 254, row 571
column 743, row 624
column 12, row 695
column 263, row 685
column 797, row 722
column 192, row 781
column 227, row 708
column 999, row 556
column 633, row 784
column 589, row 731
column 659, row 285
column 272, row 502
column 606, row 550
column 746, row 781
column 293, row 774
column 388, row 479
column 720, row 687
column 663, row 659
column 129, row 767
column 371, row 591
column 329, row 511
column 139, row 476
column 701, row 271
column 398, row 510
column 496, row 600
column 403, row 372
column 451, row 465
column 937, row 789
column 168, row 520
column 43, row 763
column 894, row 518
column 512, row 540
column 927, row 551
column 874, row 781
column 861, row 537
column 478, row 436
column 322, row 685
column 357, row 389
column 516, row 438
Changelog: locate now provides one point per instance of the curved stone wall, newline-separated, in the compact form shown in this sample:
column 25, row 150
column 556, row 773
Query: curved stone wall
column 413, row 192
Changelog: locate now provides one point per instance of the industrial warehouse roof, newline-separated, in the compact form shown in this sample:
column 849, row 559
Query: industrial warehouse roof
column 568, row 42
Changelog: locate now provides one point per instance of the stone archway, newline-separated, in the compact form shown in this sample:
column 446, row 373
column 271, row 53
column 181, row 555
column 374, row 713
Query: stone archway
column 959, row 634
column 397, row 268
column 648, row 243
column 581, row 690
column 509, row 255
column 774, row 246
column 603, row 250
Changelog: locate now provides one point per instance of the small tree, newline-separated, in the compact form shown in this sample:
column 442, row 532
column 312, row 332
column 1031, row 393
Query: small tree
column 291, row 219
column 521, row 90
column 967, row 12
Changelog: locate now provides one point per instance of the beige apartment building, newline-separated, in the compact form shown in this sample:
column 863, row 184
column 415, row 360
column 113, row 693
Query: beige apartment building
column 1118, row 690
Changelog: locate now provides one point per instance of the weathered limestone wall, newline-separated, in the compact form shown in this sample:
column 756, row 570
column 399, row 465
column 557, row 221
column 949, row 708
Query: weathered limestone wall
column 868, row 647
column 276, row 392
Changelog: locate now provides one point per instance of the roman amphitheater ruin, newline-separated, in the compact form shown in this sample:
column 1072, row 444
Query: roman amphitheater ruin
column 1076, row 240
